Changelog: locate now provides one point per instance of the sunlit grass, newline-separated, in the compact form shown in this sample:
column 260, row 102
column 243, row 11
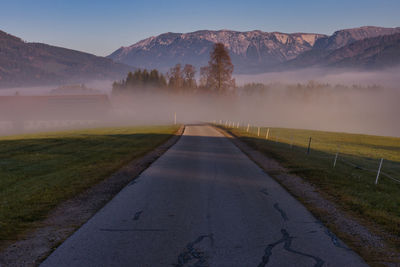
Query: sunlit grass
column 351, row 184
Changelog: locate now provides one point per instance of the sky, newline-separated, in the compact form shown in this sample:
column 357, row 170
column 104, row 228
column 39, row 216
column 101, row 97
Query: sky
column 100, row 27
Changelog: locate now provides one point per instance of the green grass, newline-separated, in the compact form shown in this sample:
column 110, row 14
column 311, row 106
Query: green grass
column 38, row 171
column 350, row 186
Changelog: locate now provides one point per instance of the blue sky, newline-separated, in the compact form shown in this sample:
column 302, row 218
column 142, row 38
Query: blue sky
column 101, row 26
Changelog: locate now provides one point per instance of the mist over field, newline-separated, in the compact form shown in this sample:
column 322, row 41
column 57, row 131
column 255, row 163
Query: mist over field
column 102, row 86
column 369, row 111
column 358, row 102
column 368, row 105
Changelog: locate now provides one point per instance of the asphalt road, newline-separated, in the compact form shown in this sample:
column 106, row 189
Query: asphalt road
column 203, row 203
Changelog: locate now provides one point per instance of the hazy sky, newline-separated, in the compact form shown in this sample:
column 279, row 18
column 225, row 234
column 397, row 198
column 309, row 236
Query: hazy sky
column 102, row 26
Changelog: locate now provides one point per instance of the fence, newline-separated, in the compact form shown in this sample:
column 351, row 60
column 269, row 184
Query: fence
column 336, row 148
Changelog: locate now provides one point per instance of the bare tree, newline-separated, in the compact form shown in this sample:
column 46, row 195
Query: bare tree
column 219, row 70
column 189, row 81
column 204, row 77
column 175, row 76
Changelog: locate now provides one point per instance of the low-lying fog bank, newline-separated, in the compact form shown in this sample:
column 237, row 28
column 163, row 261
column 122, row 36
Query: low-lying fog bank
column 102, row 86
column 387, row 78
column 330, row 102
column 369, row 111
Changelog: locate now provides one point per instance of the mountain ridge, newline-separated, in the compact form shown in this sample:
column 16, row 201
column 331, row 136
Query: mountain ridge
column 370, row 53
column 249, row 48
column 380, row 51
column 344, row 37
column 368, row 47
column 251, row 51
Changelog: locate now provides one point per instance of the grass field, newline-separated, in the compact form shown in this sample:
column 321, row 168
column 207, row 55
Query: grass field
column 38, row 171
column 351, row 184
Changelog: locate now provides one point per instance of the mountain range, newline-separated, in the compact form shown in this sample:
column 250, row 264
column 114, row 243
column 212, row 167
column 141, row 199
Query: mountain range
column 258, row 51
column 23, row 63
column 250, row 51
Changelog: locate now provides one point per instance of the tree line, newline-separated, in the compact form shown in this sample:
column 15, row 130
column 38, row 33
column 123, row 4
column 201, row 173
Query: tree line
column 216, row 77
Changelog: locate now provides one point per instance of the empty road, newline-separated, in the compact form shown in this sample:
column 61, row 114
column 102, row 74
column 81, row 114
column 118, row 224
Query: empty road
column 203, row 203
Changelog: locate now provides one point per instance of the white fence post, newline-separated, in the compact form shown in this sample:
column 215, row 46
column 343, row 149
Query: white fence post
column 267, row 135
column 175, row 118
column 336, row 156
column 334, row 162
column 248, row 127
column 379, row 171
column 258, row 132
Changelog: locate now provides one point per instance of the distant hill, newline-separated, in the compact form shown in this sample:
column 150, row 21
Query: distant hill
column 256, row 51
column 345, row 37
column 23, row 64
column 371, row 53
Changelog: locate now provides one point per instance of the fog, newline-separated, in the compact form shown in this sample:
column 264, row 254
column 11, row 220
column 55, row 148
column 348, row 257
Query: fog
column 103, row 86
column 287, row 99
column 369, row 111
column 368, row 101
column 387, row 78
column 356, row 110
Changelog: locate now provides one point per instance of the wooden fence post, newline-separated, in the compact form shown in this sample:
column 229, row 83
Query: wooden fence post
column 309, row 145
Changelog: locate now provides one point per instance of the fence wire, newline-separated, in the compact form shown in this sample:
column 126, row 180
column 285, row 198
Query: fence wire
column 252, row 130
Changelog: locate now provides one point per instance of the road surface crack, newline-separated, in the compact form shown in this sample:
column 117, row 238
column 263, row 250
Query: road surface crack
column 264, row 191
column 132, row 182
column 283, row 214
column 133, row 230
column 287, row 240
column 191, row 253
column 137, row 215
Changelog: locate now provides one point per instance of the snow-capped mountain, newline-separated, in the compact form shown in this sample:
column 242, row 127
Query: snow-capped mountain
column 251, row 51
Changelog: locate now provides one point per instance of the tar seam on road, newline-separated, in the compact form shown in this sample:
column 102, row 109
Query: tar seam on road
column 133, row 230
column 283, row 214
column 191, row 253
column 287, row 240
column 264, row 191
column 137, row 215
